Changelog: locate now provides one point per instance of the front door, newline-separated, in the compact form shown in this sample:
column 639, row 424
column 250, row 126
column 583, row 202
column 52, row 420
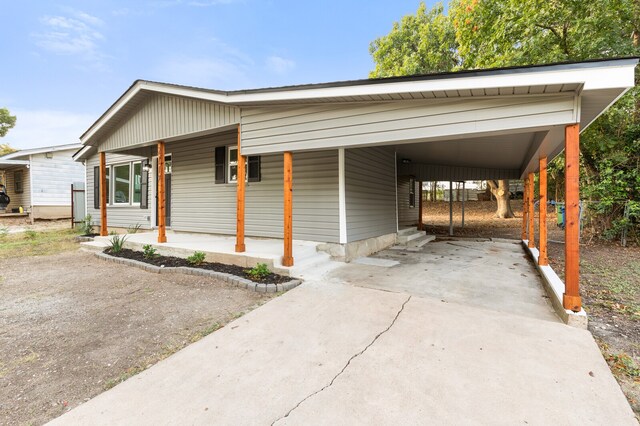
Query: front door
column 167, row 190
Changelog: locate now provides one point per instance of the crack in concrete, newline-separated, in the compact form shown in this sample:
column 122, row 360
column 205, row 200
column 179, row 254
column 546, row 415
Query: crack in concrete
column 346, row 365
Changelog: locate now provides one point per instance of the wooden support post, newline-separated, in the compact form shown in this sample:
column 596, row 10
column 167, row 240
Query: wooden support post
column 525, row 209
column 420, row 224
column 543, row 259
column 240, row 246
column 532, row 215
column 287, row 259
column 571, row 299
column 103, row 195
column 162, row 214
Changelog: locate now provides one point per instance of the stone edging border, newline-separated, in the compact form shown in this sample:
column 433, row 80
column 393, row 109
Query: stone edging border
column 231, row 279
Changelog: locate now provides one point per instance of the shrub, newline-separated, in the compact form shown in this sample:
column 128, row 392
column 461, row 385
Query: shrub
column 149, row 252
column 116, row 243
column 260, row 271
column 86, row 227
column 197, row 258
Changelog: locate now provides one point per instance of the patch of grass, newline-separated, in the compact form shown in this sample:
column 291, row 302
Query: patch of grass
column 621, row 364
column 41, row 243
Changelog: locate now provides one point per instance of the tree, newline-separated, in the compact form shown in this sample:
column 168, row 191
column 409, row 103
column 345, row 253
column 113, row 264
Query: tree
column 5, row 149
column 500, row 190
column 7, row 121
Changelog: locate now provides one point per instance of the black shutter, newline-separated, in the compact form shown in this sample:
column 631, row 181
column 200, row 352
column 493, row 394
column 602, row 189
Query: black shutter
column 144, row 185
column 96, row 188
column 221, row 154
column 253, row 168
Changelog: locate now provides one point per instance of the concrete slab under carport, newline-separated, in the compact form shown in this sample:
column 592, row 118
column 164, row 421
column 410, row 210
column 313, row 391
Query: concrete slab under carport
column 496, row 275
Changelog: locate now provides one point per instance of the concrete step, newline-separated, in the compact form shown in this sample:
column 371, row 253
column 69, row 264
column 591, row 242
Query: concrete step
column 419, row 242
column 407, row 231
column 404, row 239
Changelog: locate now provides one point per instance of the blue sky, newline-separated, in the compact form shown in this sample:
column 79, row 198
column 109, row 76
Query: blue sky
column 64, row 63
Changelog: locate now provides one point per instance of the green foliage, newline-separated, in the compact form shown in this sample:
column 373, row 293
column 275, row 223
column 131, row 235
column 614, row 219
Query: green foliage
column 196, row 259
column 499, row 33
column 420, row 43
column 260, row 271
column 5, row 149
column 30, row 234
column 86, row 226
column 116, row 243
column 149, row 252
column 134, row 228
column 7, row 121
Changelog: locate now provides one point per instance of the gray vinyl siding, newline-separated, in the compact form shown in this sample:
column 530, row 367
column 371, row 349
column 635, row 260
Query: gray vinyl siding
column 407, row 215
column 118, row 216
column 52, row 178
column 22, row 199
column 163, row 116
column 305, row 127
column 436, row 172
column 200, row 205
column 370, row 192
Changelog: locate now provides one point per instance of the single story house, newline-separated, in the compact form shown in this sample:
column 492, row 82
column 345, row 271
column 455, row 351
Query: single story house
column 38, row 181
column 338, row 163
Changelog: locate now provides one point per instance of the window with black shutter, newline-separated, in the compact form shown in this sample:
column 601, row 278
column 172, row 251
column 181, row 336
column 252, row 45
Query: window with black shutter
column 253, row 168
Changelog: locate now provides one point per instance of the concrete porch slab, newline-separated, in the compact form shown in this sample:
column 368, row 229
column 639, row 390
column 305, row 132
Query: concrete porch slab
column 220, row 248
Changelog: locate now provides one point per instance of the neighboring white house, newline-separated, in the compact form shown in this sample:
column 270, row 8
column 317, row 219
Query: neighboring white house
column 39, row 180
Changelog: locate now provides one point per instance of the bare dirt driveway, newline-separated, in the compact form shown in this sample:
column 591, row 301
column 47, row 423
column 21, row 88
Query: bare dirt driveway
column 72, row 326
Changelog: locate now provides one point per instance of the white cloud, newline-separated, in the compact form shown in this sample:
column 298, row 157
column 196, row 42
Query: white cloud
column 76, row 34
column 279, row 65
column 37, row 128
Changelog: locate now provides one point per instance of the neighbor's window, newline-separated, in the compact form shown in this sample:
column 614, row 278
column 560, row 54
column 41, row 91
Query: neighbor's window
column 412, row 192
column 137, row 182
column 232, row 170
column 18, row 181
column 122, row 184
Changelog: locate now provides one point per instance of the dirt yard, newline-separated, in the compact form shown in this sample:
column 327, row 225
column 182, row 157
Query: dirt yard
column 20, row 224
column 72, row 326
column 609, row 276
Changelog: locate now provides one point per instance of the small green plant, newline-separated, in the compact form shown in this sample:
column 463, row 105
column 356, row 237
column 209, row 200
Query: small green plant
column 86, row 227
column 260, row 271
column 149, row 252
column 134, row 228
column 30, row 234
column 116, row 243
column 113, row 233
column 196, row 259
column 4, row 231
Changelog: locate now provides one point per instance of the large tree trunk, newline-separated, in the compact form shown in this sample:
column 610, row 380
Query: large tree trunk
column 500, row 190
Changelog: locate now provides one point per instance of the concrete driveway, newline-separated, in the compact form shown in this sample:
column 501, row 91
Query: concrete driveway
column 333, row 353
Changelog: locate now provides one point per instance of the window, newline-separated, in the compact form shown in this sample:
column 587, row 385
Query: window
column 18, row 181
column 137, row 182
column 122, row 184
column 226, row 165
column 412, row 192
column 232, row 164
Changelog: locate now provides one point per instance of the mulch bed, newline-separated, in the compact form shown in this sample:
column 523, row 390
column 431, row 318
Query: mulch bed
column 172, row 261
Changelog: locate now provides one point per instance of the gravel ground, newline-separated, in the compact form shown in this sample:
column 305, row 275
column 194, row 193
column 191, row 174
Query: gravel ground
column 72, row 325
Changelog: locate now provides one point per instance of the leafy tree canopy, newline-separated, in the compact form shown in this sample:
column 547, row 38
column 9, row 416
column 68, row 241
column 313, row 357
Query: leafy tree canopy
column 7, row 121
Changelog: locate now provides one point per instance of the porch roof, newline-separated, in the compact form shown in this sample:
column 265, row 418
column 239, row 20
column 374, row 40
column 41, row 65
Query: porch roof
column 12, row 163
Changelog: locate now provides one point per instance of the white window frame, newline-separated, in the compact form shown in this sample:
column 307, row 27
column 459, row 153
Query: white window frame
column 112, row 184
